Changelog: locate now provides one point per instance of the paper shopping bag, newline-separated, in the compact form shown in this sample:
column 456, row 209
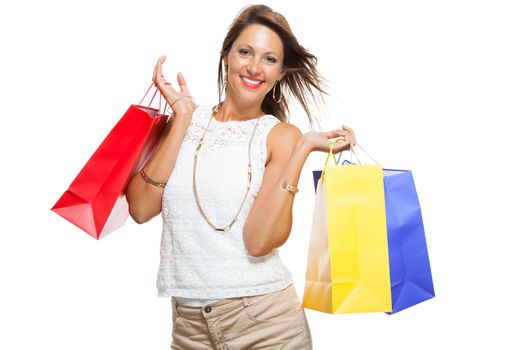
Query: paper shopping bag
column 410, row 274
column 95, row 200
column 348, row 267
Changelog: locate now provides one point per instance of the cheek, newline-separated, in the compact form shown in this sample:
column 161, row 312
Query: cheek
column 273, row 74
column 235, row 67
column 237, row 61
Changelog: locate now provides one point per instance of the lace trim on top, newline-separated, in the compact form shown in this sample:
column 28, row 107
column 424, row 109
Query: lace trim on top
column 197, row 261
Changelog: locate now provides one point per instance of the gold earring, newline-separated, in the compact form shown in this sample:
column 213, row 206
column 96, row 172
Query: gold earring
column 281, row 92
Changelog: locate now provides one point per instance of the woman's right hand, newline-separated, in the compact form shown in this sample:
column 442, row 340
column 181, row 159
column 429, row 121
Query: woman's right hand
column 183, row 107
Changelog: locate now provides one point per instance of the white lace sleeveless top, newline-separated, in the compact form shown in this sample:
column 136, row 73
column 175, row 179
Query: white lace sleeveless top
column 198, row 264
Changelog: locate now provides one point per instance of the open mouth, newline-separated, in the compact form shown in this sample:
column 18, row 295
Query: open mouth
column 251, row 83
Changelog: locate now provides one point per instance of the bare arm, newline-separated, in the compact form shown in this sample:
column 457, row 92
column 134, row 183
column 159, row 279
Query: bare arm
column 145, row 199
column 270, row 219
column 269, row 222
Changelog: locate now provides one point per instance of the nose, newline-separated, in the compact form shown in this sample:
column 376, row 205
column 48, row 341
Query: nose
column 254, row 68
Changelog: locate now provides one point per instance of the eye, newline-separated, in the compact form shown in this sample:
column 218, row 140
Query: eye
column 272, row 60
column 243, row 52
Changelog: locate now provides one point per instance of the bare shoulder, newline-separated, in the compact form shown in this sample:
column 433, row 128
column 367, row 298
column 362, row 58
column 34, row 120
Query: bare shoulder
column 283, row 132
column 282, row 139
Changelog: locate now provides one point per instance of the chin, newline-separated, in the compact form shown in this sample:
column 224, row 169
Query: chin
column 249, row 96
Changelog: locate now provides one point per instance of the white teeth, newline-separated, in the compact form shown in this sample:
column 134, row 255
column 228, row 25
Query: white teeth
column 251, row 81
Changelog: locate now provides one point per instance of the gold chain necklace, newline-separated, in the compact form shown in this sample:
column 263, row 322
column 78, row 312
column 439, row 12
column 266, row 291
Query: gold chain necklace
column 214, row 111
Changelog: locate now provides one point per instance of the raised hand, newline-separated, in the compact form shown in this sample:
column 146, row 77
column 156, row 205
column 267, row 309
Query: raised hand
column 319, row 140
column 180, row 102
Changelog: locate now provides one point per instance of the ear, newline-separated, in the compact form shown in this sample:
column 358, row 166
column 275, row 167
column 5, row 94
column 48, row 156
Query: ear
column 225, row 61
column 282, row 74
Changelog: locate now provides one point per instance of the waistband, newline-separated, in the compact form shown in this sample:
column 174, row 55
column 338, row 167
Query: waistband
column 220, row 307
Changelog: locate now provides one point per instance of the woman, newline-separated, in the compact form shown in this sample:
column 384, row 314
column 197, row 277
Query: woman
column 224, row 179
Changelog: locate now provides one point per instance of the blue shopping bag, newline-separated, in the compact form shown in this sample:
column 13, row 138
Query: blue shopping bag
column 410, row 274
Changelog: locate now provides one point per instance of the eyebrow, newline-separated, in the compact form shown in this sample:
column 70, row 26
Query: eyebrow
column 264, row 53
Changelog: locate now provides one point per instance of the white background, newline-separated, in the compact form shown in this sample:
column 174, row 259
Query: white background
column 432, row 86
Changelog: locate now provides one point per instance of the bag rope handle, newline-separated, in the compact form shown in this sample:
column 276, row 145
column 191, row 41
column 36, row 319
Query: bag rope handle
column 160, row 99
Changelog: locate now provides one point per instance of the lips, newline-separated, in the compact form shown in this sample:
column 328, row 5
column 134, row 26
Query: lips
column 251, row 83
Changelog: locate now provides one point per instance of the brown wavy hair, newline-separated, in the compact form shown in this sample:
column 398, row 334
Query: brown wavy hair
column 302, row 80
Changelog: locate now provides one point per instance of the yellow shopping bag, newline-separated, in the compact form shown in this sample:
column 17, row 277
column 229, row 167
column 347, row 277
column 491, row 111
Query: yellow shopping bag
column 347, row 267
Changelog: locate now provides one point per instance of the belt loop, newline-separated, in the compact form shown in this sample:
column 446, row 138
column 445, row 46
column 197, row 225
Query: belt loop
column 245, row 301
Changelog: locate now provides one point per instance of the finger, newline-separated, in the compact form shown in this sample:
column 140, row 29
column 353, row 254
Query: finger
column 348, row 130
column 340, row 147
column 157, row 78
column 182, row 83
column 349, row 139
column 157, row 72
column 154, row 78
column 160, row 75
column 352, row 134
column 333, row 134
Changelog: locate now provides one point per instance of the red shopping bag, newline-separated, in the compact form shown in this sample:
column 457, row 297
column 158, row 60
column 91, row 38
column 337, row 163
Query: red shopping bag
column 95, row 200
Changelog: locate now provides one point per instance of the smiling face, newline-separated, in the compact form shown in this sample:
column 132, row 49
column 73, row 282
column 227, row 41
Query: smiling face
column 255, row 63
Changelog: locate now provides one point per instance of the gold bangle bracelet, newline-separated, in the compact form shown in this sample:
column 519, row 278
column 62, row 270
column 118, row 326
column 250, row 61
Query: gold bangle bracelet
column 290, row 188
column 151, row 181
column 180, row 98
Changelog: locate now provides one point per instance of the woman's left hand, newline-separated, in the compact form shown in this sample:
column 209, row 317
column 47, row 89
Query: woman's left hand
column 319, row 140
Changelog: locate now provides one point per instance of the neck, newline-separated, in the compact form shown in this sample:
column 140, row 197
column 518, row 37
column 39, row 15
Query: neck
column 230, row 110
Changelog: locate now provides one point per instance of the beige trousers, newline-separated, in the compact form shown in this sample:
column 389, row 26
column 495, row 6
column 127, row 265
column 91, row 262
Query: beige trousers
column 269, row 321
